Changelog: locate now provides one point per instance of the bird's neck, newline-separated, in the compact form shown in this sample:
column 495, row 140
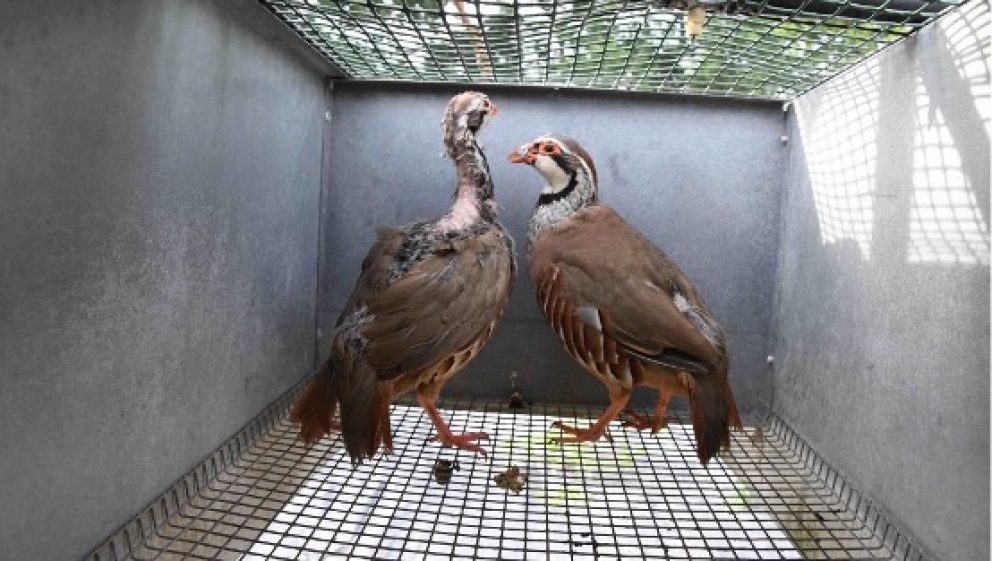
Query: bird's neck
column 474, row 194
column 553, row 206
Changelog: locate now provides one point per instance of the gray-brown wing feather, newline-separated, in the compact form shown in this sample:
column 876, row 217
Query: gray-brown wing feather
column 375, row 270
column 441, row 306
column 599, row 268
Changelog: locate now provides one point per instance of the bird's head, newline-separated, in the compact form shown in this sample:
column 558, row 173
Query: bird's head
column 465, row 116
column 563, row 163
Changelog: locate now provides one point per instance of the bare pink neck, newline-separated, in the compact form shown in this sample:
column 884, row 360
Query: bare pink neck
column 463, row 213
column 472, row 174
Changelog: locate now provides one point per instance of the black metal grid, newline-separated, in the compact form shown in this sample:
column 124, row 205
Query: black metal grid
column 641, row 496
column 748, row 48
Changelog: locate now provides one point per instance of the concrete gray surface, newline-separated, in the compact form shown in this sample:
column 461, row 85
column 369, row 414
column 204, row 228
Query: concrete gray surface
column 159, row 179
column 882, row 329
column 702, row 178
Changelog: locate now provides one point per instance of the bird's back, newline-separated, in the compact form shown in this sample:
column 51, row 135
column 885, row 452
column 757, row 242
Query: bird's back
column 424, row 293
column 628, row 313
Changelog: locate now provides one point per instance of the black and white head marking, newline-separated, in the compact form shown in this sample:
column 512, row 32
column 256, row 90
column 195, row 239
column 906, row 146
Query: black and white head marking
column 569, row 175
column 562, row 164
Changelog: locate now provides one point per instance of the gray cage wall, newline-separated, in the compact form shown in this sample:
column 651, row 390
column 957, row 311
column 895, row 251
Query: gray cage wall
column 187, row 189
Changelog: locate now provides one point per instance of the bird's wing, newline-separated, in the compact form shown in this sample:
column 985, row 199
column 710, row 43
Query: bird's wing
column 614, row 280
column 441, row 306
column 374, row 277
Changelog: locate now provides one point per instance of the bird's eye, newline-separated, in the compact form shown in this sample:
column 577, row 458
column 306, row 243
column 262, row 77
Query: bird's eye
column 548, row 148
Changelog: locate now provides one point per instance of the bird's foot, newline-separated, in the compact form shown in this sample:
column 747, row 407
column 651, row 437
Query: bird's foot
column 640, row 421
column 464, row 441
column 590, row 434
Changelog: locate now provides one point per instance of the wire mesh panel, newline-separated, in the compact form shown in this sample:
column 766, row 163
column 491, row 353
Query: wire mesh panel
column 639, row 496
column 749, row 48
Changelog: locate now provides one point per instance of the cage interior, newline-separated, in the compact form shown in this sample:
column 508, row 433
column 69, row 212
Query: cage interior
column 190, row 188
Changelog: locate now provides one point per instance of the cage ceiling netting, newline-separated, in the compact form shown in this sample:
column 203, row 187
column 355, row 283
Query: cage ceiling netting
column 773, row 49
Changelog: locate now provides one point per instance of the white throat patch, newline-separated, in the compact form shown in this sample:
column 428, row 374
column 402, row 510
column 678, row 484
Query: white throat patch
column 556, row 177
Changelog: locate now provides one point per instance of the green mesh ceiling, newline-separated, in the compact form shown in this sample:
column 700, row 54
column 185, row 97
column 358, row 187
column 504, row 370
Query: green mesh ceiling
column 765, row 49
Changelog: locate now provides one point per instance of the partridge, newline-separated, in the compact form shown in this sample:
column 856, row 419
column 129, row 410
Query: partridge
column 426, row 301
column 621, row 307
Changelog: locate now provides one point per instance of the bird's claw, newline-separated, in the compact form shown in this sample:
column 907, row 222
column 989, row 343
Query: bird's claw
column 578, row 435
column 464, row 441
column 559, row 440
column 644, row 422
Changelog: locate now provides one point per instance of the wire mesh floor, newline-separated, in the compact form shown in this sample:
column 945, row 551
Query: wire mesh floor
column 639, row 496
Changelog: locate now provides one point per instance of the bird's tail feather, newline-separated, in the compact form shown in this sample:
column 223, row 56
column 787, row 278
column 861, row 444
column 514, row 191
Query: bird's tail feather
column 314, row 409
column 713, row 411
column 348, row 382
column 733, row 416
column 364, row 403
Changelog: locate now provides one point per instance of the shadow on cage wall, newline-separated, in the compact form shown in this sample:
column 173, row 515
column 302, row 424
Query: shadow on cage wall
column 882, row 316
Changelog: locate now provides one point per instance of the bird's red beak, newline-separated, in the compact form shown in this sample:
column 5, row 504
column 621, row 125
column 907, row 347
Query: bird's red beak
column 493, row 110
column 522, row 155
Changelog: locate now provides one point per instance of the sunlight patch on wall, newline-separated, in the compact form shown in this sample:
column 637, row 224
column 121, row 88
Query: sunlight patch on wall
column 967, row 32
column 946, row 221
column 946, row 225
column 841, row 151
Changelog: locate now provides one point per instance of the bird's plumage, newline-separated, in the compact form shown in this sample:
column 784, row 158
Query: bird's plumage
column 426, row 301
column 595, row 259
column 443, row 306
column 622, row 308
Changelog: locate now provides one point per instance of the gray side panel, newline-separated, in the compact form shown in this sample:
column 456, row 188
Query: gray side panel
column 883, row 325
column 159, row 179
column 700, row 177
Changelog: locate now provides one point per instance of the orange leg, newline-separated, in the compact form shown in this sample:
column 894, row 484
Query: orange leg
column 598, row 428
column 655, row 422
column 444, row 434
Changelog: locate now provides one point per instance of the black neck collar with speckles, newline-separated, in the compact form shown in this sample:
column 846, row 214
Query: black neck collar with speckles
column 549, row 198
